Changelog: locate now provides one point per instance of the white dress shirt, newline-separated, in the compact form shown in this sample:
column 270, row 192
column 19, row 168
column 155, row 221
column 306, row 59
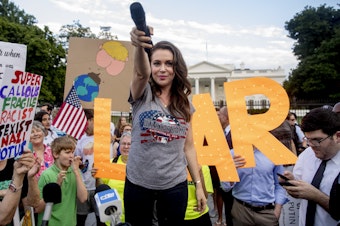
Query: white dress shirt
column 305, row 169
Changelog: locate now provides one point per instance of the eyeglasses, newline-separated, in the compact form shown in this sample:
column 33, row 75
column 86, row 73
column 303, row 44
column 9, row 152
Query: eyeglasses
column 125, row 144
column 315, row 142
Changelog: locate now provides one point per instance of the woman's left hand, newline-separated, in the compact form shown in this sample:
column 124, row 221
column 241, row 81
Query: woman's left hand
column 201, row 199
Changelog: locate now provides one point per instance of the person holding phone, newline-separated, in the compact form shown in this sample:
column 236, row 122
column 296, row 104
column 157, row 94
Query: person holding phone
column 284, row 180
column 318, row 163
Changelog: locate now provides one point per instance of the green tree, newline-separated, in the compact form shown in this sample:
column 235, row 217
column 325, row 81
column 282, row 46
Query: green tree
column 12, row 12
column 317, row 35
column 45, row 56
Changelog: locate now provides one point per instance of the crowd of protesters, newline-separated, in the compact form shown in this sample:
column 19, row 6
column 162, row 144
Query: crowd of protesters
column 158, row 150
column 69, row 163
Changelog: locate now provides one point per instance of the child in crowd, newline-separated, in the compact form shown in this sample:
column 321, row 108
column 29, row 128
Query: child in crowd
column 65, row 172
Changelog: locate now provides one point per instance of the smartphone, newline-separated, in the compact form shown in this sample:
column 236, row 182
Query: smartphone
column 283, row 177
column 30, row 146
column 284, row 183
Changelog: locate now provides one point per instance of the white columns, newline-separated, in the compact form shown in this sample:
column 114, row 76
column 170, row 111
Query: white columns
column 212, row 88
column 197, row 86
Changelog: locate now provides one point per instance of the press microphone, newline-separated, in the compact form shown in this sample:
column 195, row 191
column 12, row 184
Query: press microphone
column 138, row 16
column 51, row 195
column 108, row 203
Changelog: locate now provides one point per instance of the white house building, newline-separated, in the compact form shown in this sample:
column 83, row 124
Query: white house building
column 206, row 77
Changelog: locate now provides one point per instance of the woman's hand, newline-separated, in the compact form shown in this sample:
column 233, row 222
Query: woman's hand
column 139, row 39
column 24, row 163
column 35, row 168
column 201, row 199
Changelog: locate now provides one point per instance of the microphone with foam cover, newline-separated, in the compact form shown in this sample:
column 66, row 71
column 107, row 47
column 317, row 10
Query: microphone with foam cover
column 138, row 16
column 51, row 196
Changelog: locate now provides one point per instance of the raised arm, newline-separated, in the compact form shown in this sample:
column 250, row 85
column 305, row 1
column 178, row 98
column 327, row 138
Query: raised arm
column 33, row 195
column 81, row 189
column 11, row 197
column 11, row 200
column 142, row 68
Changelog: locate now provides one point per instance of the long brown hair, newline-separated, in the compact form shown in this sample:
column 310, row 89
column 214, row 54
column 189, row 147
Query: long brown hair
column 180, row 88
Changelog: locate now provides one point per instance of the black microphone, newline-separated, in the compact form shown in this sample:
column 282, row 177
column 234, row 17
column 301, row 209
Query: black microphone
column 51, row 195
column 138, row 16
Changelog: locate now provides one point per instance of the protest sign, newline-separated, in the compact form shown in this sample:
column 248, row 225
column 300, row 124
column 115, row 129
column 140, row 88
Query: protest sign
column 205, row 124
column 12, row 55
column 253, row 130
column 290, row 212
column 103, row 69
column 19, row 94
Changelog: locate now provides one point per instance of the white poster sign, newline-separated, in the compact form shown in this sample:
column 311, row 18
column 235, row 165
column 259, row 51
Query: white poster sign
column 13, row 56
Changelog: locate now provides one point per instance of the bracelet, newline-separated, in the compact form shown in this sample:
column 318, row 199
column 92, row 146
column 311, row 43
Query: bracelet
column 197, row 182
column 14, row 188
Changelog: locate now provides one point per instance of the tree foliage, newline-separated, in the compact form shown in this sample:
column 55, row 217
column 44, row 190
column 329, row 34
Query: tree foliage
column 10, row 11
column 45, row 56
column 46, row 52
column 73, row 30
column 317, row 35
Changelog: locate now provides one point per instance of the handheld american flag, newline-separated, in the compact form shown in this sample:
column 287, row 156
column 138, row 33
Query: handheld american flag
column 71, row 118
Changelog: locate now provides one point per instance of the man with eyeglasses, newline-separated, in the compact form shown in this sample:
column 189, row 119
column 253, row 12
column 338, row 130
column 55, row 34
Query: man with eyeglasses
column 317, row 167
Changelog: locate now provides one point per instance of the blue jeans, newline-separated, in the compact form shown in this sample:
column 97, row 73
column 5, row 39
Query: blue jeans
column 139, row 203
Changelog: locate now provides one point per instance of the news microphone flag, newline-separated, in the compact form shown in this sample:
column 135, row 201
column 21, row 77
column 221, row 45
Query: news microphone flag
column 108, row 204
column 71, row 118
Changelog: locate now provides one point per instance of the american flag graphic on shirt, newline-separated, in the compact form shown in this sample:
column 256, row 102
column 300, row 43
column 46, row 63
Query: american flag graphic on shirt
column 161, row 128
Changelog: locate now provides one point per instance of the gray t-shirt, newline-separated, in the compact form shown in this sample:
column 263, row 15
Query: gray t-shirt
column 156, row 157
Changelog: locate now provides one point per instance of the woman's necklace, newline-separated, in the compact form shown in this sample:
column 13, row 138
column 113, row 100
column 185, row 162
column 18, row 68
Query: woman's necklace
column 163, row 102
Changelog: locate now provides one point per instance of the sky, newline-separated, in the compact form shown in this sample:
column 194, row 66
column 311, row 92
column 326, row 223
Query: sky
column 219, row 31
